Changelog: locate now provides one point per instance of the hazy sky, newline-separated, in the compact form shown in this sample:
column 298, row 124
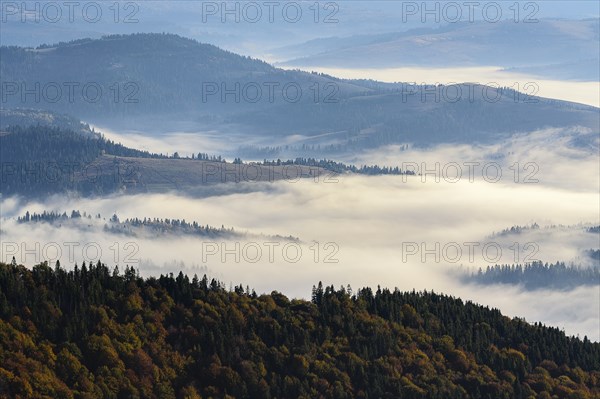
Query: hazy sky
column 242, row 31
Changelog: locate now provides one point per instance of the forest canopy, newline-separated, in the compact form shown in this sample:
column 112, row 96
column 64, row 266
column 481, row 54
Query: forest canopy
column 92, row 332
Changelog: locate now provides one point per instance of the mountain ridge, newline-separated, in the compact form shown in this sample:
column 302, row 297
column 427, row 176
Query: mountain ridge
column 142, row 80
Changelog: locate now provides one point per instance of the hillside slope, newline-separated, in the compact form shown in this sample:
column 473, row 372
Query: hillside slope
column 93, row 332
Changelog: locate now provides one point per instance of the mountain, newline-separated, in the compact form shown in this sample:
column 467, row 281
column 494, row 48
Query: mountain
column 535, row 46
column 152, row 80
column 140, row 74
column 95, row 332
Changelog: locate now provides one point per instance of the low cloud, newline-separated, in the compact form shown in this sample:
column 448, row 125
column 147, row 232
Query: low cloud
column 362, row 230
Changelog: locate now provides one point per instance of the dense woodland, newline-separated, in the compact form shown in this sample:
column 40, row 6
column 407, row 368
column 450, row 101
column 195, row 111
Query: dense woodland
column 537, row 275
column 92, row 332
column 40, row 160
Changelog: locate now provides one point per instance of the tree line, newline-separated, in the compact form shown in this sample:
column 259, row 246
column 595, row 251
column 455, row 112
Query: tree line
column 134, row 226
column 538, row 275
column 93, row 332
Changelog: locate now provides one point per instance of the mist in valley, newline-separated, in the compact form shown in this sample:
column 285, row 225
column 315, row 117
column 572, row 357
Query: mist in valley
column 411, row 232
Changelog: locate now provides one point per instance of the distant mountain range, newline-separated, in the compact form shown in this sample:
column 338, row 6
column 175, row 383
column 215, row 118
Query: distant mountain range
column 563, row 49
column 157, row 79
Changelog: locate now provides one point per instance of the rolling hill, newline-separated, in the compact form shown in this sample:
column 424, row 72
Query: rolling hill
column 96, row 332
column 155, row 79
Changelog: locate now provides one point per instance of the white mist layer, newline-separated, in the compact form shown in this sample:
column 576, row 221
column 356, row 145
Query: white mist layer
column 393, row 231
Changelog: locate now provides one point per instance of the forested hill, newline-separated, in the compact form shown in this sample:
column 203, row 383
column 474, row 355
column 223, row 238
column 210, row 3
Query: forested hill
column 151, row 79
column 45, row 143
column 42, row 160
column 139, row 74
column 93, row 332
column 39, row 160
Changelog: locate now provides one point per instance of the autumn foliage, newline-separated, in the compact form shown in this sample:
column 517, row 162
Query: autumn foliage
column 92, row 332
